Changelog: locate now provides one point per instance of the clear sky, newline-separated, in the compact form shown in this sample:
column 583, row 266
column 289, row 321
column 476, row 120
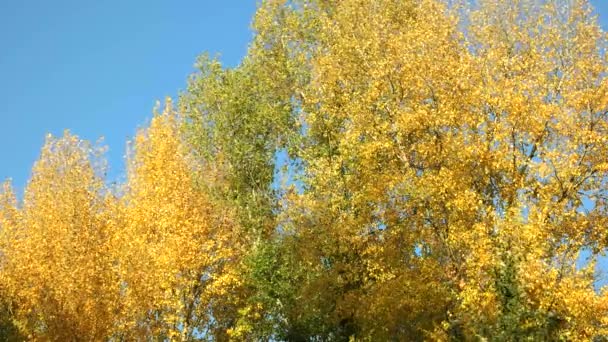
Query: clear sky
column 98, row 67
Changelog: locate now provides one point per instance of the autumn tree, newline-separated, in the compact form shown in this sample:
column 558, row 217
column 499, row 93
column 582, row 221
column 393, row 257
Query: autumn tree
column 177, row 252
column 57, row 272
column 372, row 170
column 237, row 120
column 452, row 166
column 154, row 258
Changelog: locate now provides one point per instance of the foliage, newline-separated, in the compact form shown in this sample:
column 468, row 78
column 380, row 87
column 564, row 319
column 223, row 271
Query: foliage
column 81, row 263
column 373, row 170
column 177, row 250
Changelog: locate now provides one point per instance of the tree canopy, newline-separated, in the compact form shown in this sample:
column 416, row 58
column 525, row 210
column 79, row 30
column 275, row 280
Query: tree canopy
column 373, row 170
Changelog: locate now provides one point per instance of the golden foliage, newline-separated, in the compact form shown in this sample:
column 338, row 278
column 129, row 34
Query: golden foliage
column 57, row 266
column 81, row 263
column 453, row 165
column 446, row 174
column 176, row 248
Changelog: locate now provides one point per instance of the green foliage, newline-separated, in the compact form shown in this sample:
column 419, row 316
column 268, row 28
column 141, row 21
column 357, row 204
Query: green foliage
column 8, row 330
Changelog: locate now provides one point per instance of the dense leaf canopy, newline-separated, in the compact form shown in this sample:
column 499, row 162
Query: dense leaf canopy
column 373, row 170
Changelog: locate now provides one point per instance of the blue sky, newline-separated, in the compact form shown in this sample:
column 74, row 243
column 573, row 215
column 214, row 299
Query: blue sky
column 98, row 67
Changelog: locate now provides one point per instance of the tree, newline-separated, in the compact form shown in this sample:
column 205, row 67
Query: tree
column 156, row 258
column 57, row 271
column 452, row 166
column 177, row 251
column 373, row 170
